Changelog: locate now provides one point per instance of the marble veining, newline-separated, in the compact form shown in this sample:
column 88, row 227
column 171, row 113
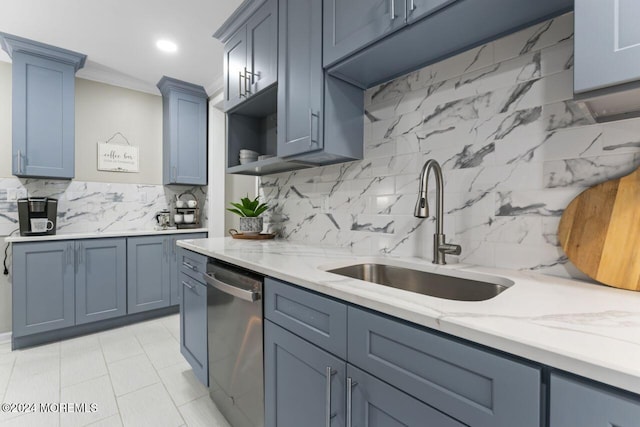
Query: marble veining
column 92, row 207
column 514, row 146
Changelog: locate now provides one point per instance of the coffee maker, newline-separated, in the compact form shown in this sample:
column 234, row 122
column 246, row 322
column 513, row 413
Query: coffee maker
column 41, row 210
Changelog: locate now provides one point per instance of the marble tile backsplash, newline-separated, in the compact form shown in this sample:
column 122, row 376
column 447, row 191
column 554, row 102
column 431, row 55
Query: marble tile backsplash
column 514, row 147
column 93, row 206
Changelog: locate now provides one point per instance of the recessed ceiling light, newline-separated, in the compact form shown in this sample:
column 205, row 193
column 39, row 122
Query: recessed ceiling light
column 166, row 46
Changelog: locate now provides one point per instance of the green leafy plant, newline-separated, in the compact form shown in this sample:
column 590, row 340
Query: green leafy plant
column 248, row 208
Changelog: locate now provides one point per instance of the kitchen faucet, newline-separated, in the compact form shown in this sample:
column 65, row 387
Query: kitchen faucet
column 440, row 248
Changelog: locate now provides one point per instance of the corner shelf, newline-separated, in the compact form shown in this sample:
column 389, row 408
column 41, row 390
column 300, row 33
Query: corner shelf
column 266, row 167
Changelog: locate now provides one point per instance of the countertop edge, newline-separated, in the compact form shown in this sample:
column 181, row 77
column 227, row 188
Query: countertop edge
column 101, row 235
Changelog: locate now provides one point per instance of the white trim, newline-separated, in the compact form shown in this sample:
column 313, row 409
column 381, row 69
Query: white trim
column 5, row 337
column 217, row 167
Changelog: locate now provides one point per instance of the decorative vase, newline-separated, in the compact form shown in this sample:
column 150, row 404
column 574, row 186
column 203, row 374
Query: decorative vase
column 251, row 225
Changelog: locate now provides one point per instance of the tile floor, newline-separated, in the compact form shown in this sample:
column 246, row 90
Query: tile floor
column 135, row 374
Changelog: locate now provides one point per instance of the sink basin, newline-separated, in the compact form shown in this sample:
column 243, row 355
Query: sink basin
column 423, row 282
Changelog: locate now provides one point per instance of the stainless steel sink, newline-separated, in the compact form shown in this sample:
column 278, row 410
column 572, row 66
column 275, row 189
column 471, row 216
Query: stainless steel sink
column 422, row 282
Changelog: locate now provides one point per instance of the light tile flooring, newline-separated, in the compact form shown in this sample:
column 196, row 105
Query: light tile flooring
column 135, row 375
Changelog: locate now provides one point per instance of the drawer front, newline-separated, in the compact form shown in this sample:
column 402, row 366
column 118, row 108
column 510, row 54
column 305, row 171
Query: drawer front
column 471, row 385
column 317, row 319
column 576, row 403
column 192, row 264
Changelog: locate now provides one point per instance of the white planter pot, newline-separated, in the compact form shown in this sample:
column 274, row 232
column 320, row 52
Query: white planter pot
column 251, row 225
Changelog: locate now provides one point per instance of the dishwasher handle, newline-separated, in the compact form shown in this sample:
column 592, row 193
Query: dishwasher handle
column 244, row 294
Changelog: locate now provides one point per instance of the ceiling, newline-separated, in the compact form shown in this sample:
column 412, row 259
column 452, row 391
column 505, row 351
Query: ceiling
column 119, row 36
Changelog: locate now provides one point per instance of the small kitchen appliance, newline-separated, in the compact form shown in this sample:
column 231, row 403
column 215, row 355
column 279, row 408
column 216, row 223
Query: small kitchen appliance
column 38, row 209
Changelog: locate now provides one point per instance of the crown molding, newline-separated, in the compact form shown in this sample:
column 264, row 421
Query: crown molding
column 14, row 44
column 167, row 84
column 237, row 19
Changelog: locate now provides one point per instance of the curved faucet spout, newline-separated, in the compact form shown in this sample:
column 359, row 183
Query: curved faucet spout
column 440, row 247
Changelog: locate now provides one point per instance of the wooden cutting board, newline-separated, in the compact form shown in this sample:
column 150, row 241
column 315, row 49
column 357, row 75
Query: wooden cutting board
column 600, row 232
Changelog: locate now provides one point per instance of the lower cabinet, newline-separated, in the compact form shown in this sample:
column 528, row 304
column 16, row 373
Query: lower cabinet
column 148, row 273
column 193, row 326
column 101, row 279
column 304, row 385
column 66, row 283
column 176, row 262
column 577, row 403
column 43, row 287
column 397, row 374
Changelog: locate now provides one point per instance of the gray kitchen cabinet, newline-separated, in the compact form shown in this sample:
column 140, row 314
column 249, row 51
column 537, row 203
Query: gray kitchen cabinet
column 42, row 287
column 607, row 57
column 374, row 403
column 398, row 373
column 43, row 114
column 177, row 261
column 184, row 132
column 148, row 273
column 235, row 61
column 577, row 403
column 193, row 326
column 304, row 385
column 350, row 25
column 101, row 279
column 471, row 385
column 250, row 54
column 320, row 120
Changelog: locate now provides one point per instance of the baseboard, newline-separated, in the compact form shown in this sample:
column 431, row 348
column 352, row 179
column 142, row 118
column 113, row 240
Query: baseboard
column 5, row 337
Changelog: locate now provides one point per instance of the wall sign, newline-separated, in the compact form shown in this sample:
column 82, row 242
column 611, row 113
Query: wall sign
column 118, row 158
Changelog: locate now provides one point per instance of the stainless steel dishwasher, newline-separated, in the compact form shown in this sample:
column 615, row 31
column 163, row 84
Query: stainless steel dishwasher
column 234, row 320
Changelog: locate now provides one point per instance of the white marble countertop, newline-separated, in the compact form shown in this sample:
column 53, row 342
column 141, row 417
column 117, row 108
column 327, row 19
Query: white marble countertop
column 100, row 235
column 583, row 328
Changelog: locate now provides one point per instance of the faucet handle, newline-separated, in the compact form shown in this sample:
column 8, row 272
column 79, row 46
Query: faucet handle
column 450, row 249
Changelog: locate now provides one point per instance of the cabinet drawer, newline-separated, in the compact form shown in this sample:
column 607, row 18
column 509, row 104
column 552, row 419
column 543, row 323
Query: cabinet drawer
column 317, row 319
column 576, row 403
column 469, row 384
column 192, row 264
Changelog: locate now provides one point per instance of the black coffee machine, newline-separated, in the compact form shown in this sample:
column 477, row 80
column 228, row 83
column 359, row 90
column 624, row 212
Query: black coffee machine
column 41, row 209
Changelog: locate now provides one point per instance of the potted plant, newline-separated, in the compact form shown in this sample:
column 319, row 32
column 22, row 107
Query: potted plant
column 249, row 212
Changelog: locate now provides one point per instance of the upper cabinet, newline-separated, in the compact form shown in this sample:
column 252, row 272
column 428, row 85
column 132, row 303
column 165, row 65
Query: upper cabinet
column 250, row 53
column 184, row 132
column 353, row 24
column 43, row 113
column 607, row 57
column 320, row 119
column 426, row 31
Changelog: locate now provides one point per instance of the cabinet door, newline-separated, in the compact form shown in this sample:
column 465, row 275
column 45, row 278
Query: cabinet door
column 607, row 43
column 148, row 273
column 418, row 9
column 188, row 139
column 101, row 279
column 262, row 47
column 43, row 117
column 303, row 384
column 42, row 287
column 300, row 77
column 353, row 24
column 235, row 61
column 575, row 403
column 193, row 326
column 377, row 404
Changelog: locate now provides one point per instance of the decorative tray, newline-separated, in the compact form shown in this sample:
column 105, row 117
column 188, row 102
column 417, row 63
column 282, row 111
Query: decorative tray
column 262, row 236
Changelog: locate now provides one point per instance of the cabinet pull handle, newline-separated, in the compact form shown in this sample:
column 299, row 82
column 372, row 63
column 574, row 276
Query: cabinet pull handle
column 311, row 116
column 412, row 5
column 189, row 266
column 19, row 161
column 187, row 285
column 173, row 246
column 350, row 385
column 247, row 81
column 328, row 414
column 240, row 94
column 393, row 10
column 81, row 253
column 174, row 172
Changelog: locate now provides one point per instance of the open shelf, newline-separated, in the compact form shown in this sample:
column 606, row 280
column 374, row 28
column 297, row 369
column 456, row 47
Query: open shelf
column 267, row 167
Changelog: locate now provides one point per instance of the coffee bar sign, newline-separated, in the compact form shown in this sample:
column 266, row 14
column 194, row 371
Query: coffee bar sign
column 118, row 158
